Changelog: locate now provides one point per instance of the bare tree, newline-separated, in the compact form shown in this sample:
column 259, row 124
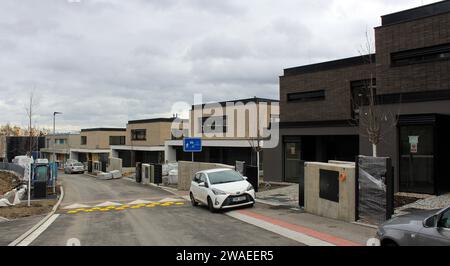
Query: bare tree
column 375, row 121
column 30, row 108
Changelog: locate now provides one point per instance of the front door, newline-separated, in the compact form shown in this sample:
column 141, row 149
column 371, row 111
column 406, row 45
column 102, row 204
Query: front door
column 292, row 161
column 417, row 159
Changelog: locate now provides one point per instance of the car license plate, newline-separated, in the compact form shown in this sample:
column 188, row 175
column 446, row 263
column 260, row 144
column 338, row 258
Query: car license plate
column 238, row 199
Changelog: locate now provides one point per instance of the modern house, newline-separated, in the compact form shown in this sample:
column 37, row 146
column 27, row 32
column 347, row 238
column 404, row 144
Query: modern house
column 60, row 144
column 325, row 107
column 95, row 146
column 144, row 142
column 229, row 131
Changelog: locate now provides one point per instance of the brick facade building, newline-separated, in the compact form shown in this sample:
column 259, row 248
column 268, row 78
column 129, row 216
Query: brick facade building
column 322, row 106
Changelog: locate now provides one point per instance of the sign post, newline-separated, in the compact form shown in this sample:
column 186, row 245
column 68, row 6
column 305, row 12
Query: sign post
column 192, row 145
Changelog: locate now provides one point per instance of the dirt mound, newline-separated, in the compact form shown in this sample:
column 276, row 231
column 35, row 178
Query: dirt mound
column 8, row 181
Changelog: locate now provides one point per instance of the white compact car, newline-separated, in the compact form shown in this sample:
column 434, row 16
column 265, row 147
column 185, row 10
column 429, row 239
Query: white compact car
column 73, row 167
column 221, row 189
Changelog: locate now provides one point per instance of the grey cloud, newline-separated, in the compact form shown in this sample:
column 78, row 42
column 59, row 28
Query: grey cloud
column 102, row 62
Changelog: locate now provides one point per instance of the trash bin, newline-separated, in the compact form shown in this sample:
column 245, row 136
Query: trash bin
column 40, row 190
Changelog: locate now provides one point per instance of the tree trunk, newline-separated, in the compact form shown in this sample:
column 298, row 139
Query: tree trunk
column 374, row 150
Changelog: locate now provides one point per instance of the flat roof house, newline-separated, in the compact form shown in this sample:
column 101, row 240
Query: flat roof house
column 95, row 145
column 324, row 107
column 144, row 141
column 229, row 130
column 61, row 144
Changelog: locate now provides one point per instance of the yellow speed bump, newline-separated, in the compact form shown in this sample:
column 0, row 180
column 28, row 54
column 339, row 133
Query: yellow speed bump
column 120, row 209
column 72, row 212
column 88, row 210
column 136, row 207
column 105, row 209
column 150, row 205
column 179, row 203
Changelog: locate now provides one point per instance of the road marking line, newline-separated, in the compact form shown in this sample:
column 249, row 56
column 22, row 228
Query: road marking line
column 302, row 230
column 29, row 239
column 296, row 236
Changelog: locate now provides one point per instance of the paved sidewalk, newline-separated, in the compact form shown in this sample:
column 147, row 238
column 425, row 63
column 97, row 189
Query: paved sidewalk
column 286, row 196
column 303, row 227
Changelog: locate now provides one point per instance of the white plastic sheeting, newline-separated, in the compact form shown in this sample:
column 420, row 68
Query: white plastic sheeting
column 13, row 197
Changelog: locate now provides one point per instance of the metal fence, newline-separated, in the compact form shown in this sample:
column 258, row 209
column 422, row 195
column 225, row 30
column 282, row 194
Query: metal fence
column 13, row 167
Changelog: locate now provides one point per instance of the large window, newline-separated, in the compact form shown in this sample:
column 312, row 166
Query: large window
column 308, row 96
column 60, row 141
column 361, row 94
column 83, row 140
column 421, row 55
column 117, row 140
column 138, row 134
column 213, row 124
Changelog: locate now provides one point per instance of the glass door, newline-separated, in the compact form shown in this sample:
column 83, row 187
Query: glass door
column 417, row 159
column 292, row 161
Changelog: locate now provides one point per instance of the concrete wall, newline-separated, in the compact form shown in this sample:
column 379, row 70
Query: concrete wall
column 187, row 170
column 343, row 210
column 115, row 164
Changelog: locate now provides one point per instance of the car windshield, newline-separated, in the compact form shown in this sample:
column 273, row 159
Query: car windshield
column 224, row 177
column 78, row 164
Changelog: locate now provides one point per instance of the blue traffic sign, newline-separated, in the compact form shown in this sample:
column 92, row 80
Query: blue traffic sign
column 192, row 145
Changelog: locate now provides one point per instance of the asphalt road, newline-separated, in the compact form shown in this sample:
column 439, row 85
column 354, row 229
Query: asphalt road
column 178, row 225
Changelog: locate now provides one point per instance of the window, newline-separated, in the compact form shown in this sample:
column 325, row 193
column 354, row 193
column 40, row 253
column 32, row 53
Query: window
column 83, row 140
column 213, row 124
column 116, row 140
column 444, row 222
column 138, row 134
column 422, row 55
column 60, row 141
column 306, row 96
column 360, row 93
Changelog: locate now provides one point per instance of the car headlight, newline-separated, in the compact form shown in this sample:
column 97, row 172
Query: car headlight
column 250, row 187
column 218, row 192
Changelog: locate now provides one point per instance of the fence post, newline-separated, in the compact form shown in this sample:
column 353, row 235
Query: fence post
column 357, row 188
column 389, row 189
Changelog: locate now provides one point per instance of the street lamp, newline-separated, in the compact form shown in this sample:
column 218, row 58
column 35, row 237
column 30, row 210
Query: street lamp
column 54, row 150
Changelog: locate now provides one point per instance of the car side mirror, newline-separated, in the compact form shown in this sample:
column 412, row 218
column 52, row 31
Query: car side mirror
column 202, row 184
column 430, row 222
column 245, row 178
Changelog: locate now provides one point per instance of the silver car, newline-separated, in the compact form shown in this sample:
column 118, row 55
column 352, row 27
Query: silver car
column 73, row 167
column 426, row 228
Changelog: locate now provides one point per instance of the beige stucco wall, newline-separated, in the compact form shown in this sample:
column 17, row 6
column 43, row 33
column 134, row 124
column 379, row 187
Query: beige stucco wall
column 72, row 141
column 99, row 139
column 241, row 126
column 345, row 209
column 187, row 170
column 157, row 133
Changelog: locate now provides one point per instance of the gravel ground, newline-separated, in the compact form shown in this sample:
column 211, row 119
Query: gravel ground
column 431, row 203
column 8, row 182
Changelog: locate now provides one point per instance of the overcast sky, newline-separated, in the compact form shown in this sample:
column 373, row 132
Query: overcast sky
column 104, row 62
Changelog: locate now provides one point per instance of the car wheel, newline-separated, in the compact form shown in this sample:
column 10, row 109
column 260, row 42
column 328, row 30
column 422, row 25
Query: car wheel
column 211, row 206
column 193, row 201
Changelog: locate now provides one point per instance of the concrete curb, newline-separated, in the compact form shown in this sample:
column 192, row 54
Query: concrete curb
column 40, row 223
column 366, row 225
